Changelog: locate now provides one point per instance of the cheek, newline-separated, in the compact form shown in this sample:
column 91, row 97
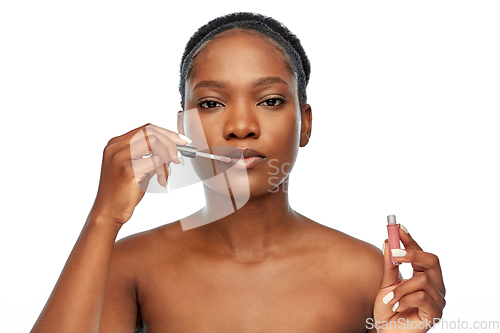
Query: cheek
column 286, row 133
column 285, row 142
column 195, row 129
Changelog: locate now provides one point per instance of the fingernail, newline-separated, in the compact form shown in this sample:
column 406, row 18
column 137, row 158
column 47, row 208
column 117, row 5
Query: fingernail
column 179, row 157
column 403, row 228
column 395, row 307
column 398, row 253
column 185, row 138
column 388, row 297
column 383, row 248
column 168, row 174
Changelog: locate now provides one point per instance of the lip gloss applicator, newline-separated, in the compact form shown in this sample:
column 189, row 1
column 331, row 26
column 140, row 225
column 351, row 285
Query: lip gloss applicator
column 393, row 231
column 192, row 152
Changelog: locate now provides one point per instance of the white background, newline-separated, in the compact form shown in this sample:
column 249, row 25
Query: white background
column 405, row 99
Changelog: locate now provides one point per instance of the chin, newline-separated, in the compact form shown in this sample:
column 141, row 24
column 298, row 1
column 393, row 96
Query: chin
column 266, row 186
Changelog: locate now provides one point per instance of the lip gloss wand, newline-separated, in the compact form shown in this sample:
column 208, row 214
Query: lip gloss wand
column 192, row 152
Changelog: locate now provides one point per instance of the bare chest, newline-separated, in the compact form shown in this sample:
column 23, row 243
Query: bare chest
column 283, row 296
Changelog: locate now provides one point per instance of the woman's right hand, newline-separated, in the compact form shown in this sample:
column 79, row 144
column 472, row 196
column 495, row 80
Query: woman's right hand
column 125, row 171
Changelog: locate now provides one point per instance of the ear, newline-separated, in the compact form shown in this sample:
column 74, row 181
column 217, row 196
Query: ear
column 306, row 124
column 180, row 122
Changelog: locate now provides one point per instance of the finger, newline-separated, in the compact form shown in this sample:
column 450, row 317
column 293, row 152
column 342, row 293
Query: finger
column 131, row 136
column 175, row 137
column 427, row 307
column 151, row 145
column 422, row 262
column 144, row 168
column 127, row 135
column 407, row 239
column 163, row 174
column 165, row 134
column 143, row 183
column 139, row 146
column 148, row 140
column 157, row 139
column 391, row 272
column 420, row 282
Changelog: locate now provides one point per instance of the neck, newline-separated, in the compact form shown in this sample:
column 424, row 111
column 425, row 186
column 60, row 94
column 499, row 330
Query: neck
column 255, row 231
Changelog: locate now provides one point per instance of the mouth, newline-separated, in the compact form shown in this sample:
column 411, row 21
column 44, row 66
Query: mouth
column 246, row 158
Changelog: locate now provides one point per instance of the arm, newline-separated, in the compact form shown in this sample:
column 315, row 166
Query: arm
column 120, row 312
column 76, row 302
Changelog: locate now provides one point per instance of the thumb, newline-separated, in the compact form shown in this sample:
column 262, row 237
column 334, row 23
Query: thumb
column 390, row 275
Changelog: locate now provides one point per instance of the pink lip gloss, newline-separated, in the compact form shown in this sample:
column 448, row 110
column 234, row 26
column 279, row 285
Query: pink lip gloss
column 393, row 231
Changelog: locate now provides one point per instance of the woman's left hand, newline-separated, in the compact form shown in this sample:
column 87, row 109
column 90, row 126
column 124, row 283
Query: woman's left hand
column 412, row 305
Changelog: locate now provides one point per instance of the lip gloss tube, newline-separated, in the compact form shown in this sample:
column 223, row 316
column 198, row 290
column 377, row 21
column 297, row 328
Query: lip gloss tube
column 393, row 231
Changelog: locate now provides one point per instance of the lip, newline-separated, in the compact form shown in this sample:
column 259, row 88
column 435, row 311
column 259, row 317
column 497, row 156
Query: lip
column 251, row 157
column 247, row 152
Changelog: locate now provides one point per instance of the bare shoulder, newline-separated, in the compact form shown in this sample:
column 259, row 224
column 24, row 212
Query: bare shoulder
column 131, row 256
column 357, row 259
column 141, row 252
column 136, row 245
column 337, row 240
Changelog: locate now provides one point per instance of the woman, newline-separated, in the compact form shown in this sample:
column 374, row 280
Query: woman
column 263, row 268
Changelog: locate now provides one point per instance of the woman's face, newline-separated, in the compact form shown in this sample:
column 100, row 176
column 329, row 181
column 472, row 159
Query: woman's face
column 247, row 98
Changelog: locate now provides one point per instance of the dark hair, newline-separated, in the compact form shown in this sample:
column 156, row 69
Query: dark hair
column 267, row 27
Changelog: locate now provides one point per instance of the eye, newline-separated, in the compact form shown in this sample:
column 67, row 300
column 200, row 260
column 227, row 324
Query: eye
column 208, row 104
column 273, row 101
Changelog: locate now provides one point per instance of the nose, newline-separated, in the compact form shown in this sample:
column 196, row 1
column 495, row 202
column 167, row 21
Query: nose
column 241, row 123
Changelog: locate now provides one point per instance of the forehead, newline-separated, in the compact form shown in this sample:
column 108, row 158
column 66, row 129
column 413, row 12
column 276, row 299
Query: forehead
column 240, row 56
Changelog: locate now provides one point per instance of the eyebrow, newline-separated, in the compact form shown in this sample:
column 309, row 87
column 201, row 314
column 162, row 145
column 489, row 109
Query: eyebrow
column 265, row 81
column 209, row 84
